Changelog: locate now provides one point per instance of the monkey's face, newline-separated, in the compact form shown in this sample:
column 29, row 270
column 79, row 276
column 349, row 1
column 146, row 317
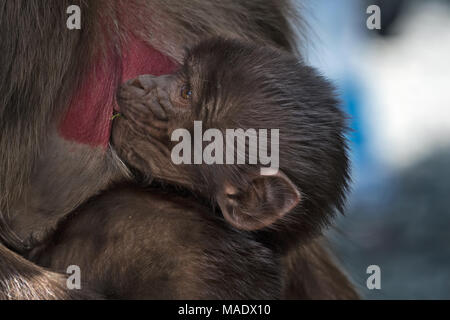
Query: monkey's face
column 209, row 90
column 152, row 108
column 209, row 87
column 230, row 85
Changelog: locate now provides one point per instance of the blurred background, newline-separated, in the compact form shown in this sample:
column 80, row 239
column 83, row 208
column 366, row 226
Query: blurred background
column 395, row 85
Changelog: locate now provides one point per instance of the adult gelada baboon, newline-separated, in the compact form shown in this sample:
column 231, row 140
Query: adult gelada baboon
column 57, row 95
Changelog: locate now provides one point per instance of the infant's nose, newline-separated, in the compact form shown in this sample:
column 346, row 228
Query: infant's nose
column 131, row 90
column 145, row 82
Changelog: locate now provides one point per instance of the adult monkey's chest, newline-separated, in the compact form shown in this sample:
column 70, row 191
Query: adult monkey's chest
column 88, row 118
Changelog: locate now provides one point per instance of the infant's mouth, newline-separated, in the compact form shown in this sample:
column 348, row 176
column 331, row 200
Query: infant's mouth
column 116, row 111
column 116, row 115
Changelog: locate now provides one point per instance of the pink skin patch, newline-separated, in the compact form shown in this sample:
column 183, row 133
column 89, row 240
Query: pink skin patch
column 88, row 119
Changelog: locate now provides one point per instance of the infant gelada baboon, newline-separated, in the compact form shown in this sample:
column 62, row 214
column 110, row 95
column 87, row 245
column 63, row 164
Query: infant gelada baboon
column 159, row 243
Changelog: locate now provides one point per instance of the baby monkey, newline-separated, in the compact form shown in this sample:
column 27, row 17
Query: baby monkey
column 227, row 84
column 159, row 244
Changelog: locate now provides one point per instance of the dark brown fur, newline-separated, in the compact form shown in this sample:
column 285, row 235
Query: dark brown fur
column 44, row 177
column 312, row 273
column 132, row 243
column 117, row 237
column 240, row 85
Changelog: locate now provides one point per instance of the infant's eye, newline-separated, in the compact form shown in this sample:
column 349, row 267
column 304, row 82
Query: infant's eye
column 186, row 92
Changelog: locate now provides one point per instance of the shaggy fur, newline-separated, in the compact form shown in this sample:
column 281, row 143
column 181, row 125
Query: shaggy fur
column 43, row 176
column 147, row 244
column 235, row 84
column 132, row 243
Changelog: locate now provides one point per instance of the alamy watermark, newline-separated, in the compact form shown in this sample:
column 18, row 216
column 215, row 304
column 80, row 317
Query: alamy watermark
column 221, row 150
column 374, row 280
column 74, row 20
column 73, row 282
column 374, row 20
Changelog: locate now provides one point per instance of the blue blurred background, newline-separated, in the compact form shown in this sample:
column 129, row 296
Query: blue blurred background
column 395, row 85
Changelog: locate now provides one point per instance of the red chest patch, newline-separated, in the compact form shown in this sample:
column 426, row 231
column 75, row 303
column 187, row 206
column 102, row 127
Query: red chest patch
column 88, row 119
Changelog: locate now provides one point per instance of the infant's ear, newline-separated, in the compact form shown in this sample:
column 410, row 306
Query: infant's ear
column 266, row 199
